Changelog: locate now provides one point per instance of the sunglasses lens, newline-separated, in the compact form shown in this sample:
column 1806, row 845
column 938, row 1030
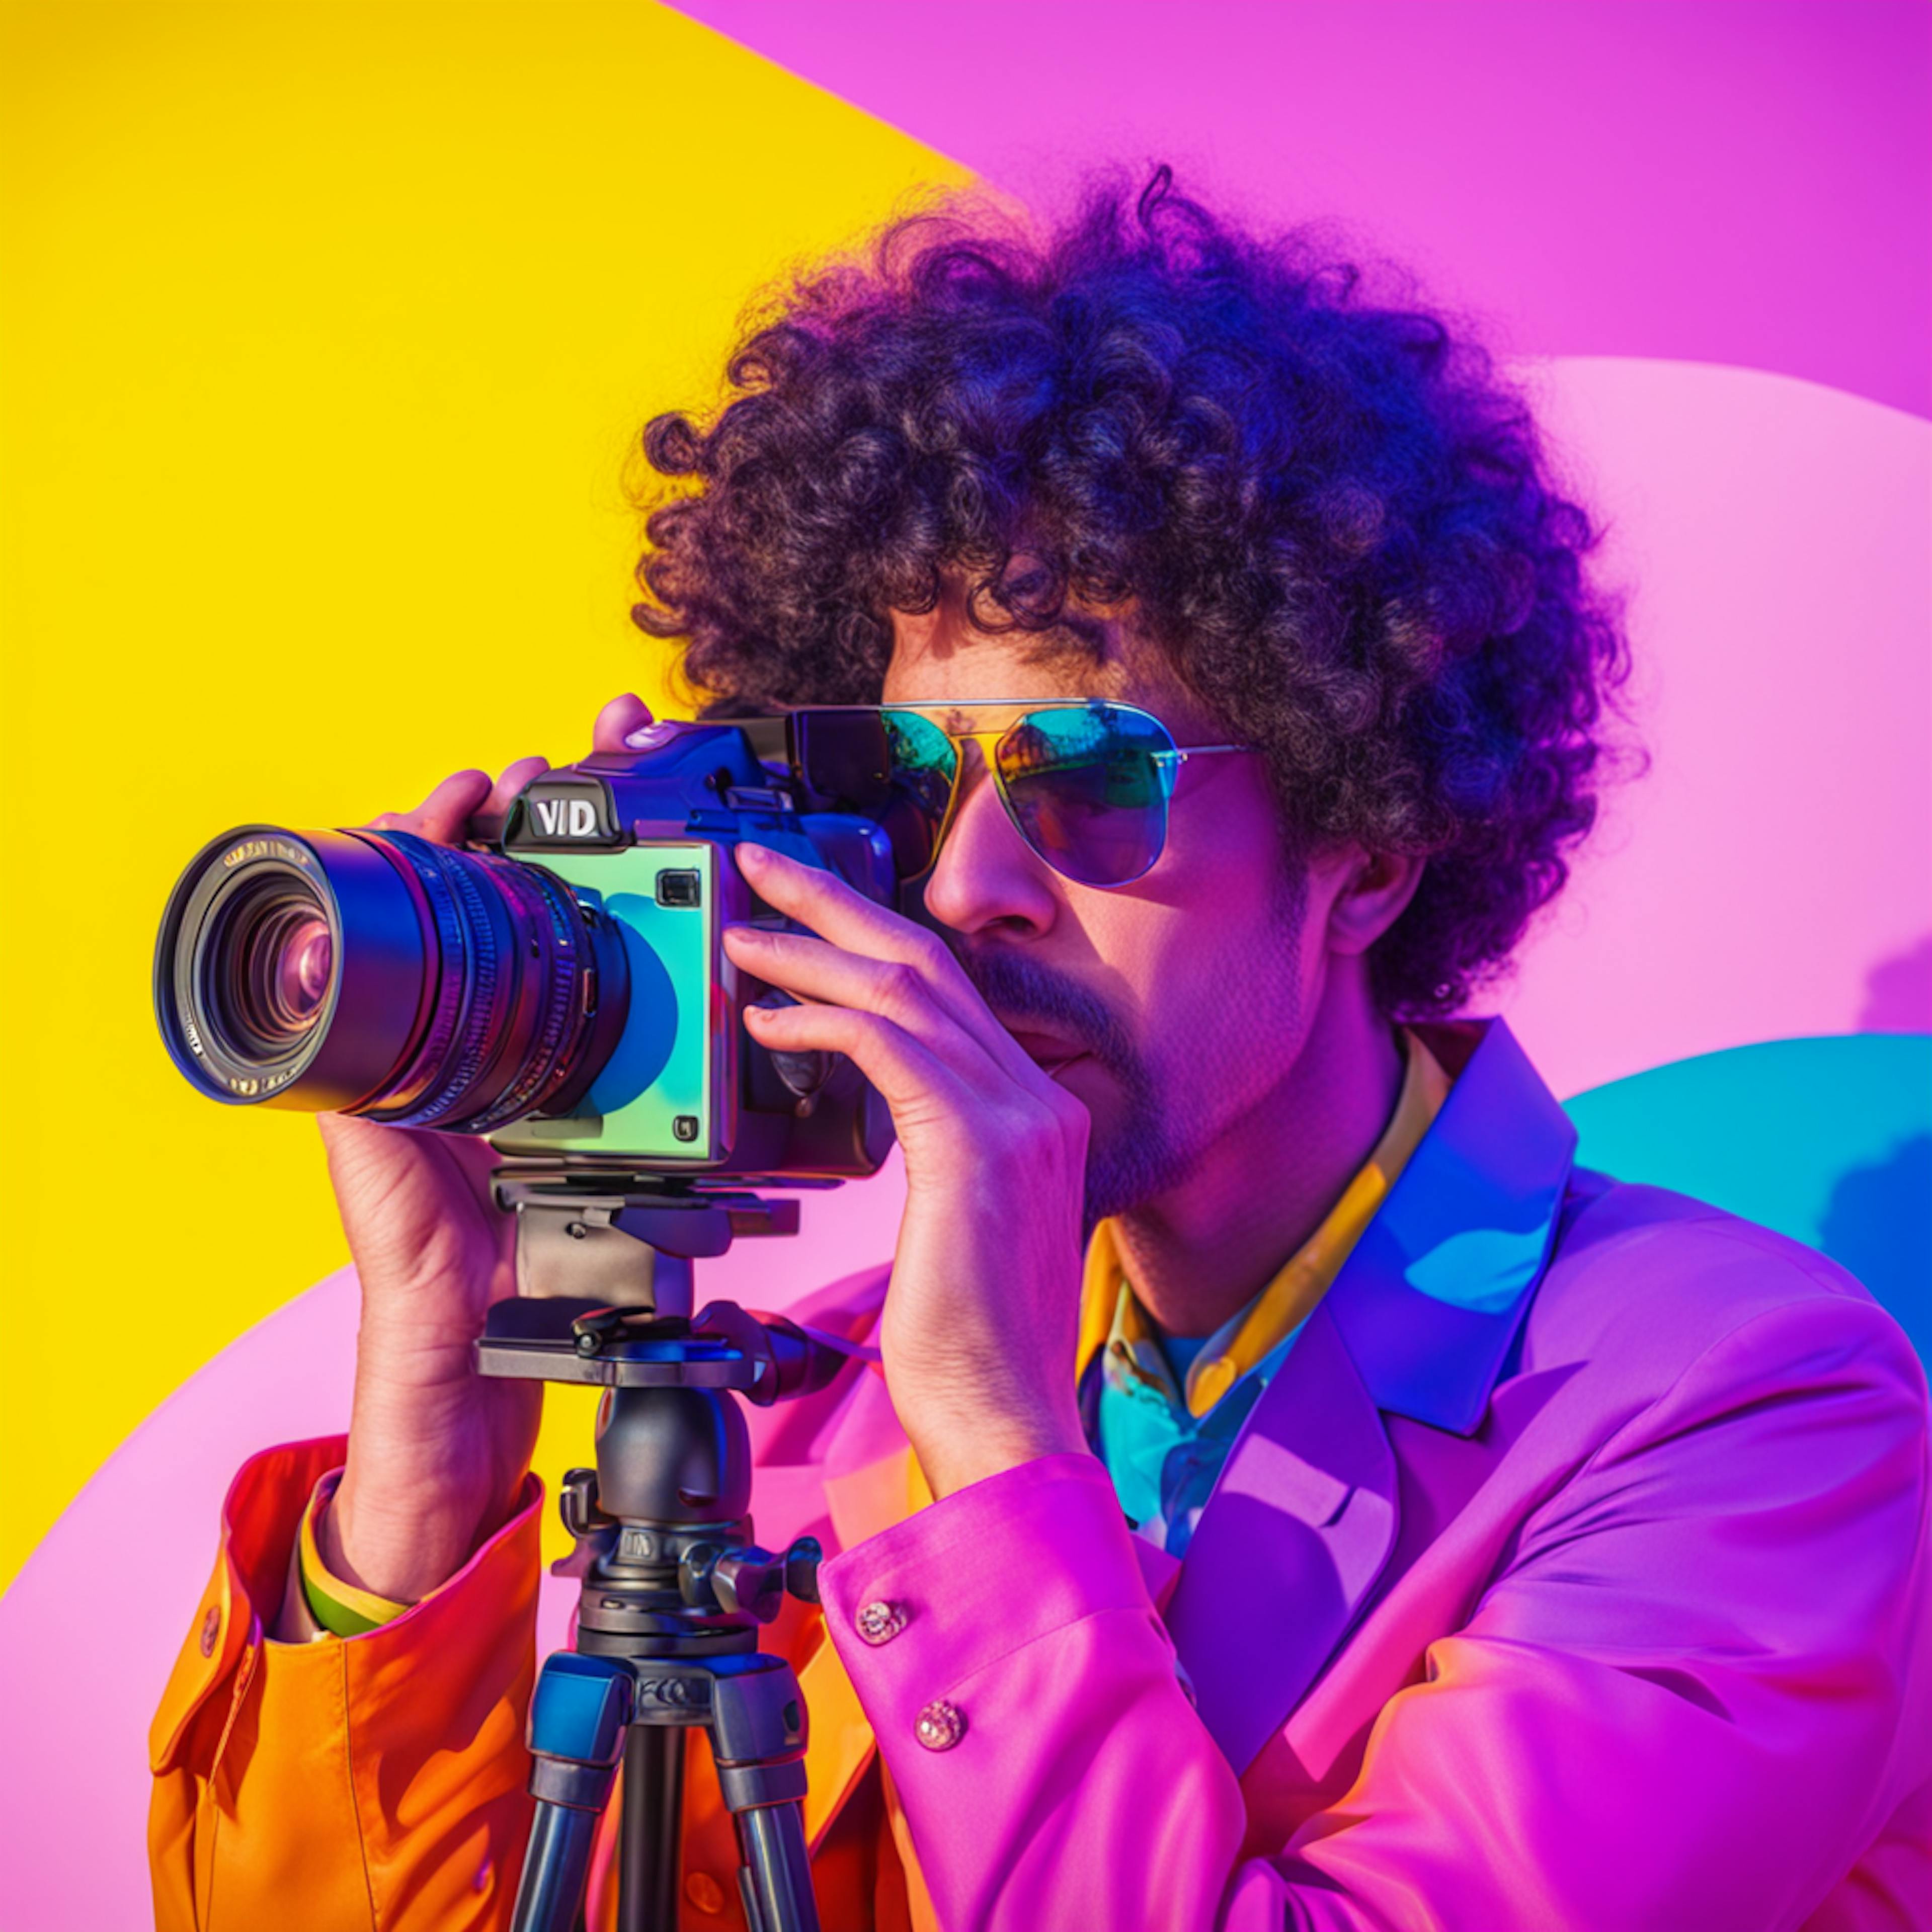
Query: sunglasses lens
column 1088, row 787
column 923, row 767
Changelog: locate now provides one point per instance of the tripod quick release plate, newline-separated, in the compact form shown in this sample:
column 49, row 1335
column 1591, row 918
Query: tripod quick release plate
column 763, row 1357
column 557, row 1340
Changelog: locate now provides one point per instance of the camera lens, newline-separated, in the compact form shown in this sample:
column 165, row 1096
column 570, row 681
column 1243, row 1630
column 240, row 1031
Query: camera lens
column 271, row 972
column 302, row 969
column 378, row 973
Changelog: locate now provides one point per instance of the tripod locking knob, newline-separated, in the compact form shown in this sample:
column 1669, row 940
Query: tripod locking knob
column 748, row 1581
column 577, row 1503
column 801, row 1568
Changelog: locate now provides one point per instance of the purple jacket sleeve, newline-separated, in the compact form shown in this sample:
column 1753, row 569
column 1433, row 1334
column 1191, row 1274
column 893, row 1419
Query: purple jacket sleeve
column 1694, row 1694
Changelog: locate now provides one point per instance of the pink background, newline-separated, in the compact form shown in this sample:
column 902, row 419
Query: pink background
column 1720, row 181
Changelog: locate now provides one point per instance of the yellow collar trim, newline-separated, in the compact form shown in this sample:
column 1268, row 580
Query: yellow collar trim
column 1111, row 1312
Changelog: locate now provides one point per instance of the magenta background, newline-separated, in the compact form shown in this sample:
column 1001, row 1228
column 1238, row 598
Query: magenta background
column 1636, row 194
column 1722, row 180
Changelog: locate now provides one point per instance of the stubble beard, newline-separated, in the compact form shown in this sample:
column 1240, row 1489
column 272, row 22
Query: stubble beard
column 1163, row 1128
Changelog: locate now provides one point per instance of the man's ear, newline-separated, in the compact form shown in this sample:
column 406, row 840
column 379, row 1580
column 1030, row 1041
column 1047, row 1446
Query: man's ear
column 1375, row 889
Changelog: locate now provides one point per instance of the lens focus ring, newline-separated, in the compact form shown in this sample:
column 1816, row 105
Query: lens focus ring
column 380, row 973
column 511, row 1005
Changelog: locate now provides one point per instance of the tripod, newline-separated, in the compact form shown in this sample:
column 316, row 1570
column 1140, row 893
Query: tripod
column 673, row 1588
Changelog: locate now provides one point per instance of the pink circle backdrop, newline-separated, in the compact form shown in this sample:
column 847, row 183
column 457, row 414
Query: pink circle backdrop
column 1771, row 874
column 1768, row 879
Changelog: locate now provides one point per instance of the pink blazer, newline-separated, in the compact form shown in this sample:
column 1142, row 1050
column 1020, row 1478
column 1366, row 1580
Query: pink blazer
column 1572, row 1572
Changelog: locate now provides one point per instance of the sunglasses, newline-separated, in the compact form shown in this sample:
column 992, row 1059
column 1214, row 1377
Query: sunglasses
column 1086, row 782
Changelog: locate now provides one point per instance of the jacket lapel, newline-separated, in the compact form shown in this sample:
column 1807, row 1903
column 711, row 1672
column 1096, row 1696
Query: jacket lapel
column 1417, row 1323
column 1291, row 1541
column 1432, row 1298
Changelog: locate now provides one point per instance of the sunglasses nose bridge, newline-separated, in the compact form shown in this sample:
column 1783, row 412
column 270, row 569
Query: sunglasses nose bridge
column 970, row 762
column 978, row 769
column 977, row 766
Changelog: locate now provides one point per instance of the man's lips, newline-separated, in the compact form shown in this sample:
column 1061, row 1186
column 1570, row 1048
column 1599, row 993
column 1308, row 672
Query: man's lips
column 1046, row 1051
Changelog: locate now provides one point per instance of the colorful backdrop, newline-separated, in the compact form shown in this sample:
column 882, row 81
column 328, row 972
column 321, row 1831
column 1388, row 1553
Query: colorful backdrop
column 327, row 332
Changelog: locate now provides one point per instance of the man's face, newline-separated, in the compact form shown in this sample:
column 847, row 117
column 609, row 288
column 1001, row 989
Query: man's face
column 1172, row 1007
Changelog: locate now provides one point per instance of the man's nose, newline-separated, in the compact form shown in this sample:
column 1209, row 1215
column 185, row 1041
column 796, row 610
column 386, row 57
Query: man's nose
column 987, row 876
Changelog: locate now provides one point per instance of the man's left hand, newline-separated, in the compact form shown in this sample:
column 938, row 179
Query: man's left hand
column 981, row 1324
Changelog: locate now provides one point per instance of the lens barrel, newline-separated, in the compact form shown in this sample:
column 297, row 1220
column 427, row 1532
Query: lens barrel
column 377, row 973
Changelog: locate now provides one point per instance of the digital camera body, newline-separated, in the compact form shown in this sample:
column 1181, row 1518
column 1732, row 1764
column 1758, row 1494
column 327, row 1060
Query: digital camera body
column 564, row 991
column 652, row 836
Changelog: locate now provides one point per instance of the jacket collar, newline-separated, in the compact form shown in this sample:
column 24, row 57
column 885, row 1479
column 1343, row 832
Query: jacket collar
column 1431, row 1299
column 1417, row 1323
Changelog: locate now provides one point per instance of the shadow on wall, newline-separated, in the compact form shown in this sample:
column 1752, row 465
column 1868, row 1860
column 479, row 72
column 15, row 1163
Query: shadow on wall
column 1898, row 992
column 1878, row 1223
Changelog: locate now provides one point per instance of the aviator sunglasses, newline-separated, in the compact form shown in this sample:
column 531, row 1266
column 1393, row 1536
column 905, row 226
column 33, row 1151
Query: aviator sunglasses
column 1086, row 782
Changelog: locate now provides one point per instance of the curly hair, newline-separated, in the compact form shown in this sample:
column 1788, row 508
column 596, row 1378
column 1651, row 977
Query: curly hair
column 1332, row 515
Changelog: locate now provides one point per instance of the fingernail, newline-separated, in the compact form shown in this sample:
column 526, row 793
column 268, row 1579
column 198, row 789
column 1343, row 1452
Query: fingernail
column 749, row 854
column 648, row 737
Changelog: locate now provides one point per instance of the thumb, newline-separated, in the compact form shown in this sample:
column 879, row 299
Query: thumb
column 617, row 720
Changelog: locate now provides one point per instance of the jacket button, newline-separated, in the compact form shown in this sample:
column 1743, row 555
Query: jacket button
column 705, row 1892
column 940, row 1725
column 880, row 1623
column 211, row 1629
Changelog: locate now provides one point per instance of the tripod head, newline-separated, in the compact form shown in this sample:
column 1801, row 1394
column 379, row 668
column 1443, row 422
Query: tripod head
column 673, row 1589
column 662, row 1524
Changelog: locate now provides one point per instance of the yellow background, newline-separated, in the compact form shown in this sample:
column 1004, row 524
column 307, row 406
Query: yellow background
column 328, row 331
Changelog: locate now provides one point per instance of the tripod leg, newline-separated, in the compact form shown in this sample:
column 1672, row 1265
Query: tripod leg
column 650, row 1844
column 553, row 1869
column 775, row 1881
column 577, row 1726
column 758, row 1737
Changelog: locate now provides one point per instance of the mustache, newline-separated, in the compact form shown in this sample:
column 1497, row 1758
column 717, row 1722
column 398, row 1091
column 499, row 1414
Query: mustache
column 1021, row 992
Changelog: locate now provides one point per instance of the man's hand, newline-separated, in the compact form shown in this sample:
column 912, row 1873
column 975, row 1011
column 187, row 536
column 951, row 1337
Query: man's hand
column 437, row 1453
column 981, row 1324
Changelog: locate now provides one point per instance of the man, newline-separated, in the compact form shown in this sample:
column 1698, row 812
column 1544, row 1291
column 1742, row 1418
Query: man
column 1381, row 1522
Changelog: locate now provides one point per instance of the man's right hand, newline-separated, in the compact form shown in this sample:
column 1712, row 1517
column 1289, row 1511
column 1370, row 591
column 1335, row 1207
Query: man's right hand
column 437, row 1453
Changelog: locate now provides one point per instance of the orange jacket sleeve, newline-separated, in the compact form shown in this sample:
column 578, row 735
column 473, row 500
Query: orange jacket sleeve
column 375, row 1782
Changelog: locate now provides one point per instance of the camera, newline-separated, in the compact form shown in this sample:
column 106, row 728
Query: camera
column 561, row 990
